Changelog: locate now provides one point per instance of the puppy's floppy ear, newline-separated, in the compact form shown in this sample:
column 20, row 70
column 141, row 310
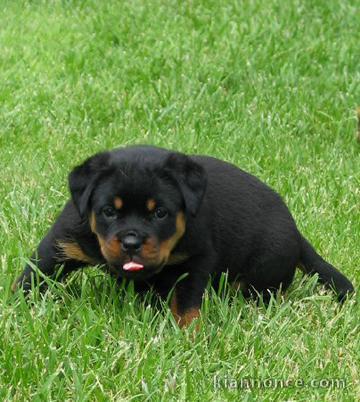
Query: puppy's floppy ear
column 83, row 178
column 190, row 177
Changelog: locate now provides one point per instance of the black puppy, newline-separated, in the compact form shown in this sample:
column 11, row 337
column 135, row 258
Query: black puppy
column 152, row 215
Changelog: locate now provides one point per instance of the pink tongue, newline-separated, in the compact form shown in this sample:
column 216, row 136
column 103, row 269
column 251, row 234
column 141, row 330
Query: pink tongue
column 132, row 266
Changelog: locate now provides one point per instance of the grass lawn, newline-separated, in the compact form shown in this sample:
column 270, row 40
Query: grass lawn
column 270, row 86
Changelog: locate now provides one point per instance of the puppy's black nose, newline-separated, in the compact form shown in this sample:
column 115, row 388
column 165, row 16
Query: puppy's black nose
column 131, row 242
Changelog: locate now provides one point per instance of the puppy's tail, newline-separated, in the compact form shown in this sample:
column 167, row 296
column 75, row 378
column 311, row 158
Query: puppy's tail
column 312, row 263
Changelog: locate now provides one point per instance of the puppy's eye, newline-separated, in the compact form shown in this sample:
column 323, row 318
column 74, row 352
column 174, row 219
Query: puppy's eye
column 160, row 213
column 109, row 212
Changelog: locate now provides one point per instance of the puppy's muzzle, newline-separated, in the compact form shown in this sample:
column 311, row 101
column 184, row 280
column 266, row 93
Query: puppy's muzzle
column 131, row 242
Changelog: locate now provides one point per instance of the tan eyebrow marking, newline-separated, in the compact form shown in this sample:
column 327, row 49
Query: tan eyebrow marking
column 118, row 202
column 150, row 204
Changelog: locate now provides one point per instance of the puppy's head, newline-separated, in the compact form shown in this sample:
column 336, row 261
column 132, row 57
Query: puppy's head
column 137, row 204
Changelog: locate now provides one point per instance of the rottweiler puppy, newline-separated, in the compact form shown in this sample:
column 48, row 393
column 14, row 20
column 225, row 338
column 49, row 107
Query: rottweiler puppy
column 153, row 216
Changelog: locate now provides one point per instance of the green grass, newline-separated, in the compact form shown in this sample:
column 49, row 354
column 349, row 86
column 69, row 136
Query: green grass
column 270, row 86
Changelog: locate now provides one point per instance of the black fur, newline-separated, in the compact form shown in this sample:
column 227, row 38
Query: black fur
column 233, row 223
